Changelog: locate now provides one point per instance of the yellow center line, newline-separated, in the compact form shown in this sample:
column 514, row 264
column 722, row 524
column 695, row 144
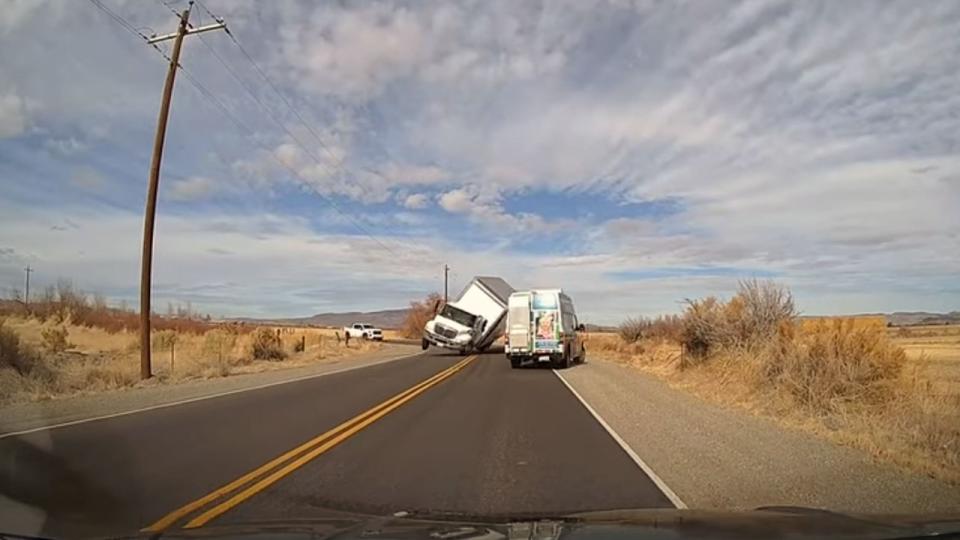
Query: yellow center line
column 174, row 516
column 292, row 466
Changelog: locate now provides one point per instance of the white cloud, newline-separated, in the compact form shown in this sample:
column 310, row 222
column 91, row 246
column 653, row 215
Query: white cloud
column 796, row 138
column 88, row 179
column 416, row 201
column 13, row 116
column 194, row 188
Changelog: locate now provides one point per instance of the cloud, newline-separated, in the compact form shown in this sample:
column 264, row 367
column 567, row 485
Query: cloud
column 815, row 141
column 88, row 179
column 193, row 189
column 414, row 174
column 66, row 146
column 416, row 201
column 13, row 116
column 483, row 205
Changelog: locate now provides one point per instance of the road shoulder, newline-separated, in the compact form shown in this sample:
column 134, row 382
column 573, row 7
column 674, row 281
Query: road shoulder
column 714, row 457
column 22, row 417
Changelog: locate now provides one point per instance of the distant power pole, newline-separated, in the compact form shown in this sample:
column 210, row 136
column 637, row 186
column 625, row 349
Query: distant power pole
column 146, row 261
column 446, row 272
column 26, row 294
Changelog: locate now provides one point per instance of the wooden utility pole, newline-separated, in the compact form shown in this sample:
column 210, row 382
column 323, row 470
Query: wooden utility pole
column 26, row 295
column 446, row 272
column 149, row 216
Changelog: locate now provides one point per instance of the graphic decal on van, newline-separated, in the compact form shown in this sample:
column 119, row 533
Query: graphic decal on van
column 546, row 322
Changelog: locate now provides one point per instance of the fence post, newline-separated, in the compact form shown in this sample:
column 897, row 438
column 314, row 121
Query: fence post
column 172, row 346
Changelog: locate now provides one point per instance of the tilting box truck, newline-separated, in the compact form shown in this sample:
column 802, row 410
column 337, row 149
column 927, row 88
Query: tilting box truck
column 473, row 321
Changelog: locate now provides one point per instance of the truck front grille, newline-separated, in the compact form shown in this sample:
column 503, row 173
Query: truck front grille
column 449, row 333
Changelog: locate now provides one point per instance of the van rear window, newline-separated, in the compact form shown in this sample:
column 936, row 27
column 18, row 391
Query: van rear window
column 544, row 301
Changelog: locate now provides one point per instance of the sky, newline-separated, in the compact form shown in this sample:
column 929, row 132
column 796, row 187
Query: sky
column 333, row 156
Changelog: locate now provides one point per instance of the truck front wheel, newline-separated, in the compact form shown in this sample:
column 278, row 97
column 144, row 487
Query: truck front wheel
column 514, row 362
column 424, row 344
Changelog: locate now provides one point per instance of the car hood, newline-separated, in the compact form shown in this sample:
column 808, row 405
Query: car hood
column 769, row 522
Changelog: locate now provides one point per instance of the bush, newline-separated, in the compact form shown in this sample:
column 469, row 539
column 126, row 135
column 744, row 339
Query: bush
column 299, row 345
column 22, row 358
column 266, row 345
column 418, row 315
column 55, row 339
column 665, row 327
column 754, row 316
column 164, row 340
column 833, row 362
column 219, row 342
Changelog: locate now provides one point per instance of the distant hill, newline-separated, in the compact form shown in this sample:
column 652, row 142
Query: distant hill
column 908, row 318
column 387, row 318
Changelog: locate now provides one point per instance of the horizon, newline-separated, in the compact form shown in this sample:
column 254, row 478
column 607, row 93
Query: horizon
column 629, row 154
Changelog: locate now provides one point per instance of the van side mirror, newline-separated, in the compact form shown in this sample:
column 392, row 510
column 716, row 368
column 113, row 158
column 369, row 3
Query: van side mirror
column 581, row 328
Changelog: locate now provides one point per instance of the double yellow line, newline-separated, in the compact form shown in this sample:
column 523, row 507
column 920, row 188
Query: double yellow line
column 262, row 477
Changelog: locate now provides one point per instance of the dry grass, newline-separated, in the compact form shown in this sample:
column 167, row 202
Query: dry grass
column 99, row 360
column 853, row 381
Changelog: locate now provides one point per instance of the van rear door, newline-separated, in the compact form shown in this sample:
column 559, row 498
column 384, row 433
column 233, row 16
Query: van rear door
column 518, row 317
column 546, row 321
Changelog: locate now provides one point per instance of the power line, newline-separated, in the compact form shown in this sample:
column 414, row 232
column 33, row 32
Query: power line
column 283, row 98
column 250, row 134
column 129, row 27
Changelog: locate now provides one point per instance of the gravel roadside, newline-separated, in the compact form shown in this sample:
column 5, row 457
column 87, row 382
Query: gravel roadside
column 32, row 415
column 716, row 458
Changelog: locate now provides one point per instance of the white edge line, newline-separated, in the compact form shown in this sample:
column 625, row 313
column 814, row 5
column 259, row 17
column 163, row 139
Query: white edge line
column 200, row 398
column 626, row 447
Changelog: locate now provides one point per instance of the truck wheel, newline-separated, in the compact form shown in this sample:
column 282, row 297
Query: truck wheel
column 514, row 362
column 424, row 344
column 365, row 336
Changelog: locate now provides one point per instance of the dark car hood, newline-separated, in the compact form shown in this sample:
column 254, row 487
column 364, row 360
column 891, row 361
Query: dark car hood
column 769, row 522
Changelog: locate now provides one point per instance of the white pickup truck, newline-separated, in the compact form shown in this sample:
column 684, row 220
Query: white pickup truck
column 363, row 331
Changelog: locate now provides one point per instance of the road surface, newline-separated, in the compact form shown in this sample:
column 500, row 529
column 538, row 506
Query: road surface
column 432, row 434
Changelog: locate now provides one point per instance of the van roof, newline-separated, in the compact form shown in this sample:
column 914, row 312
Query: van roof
column 557, row 291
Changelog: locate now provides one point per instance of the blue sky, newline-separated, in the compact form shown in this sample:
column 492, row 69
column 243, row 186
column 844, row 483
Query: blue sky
column 634, row 153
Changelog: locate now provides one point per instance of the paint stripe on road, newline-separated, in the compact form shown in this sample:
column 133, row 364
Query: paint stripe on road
column 664, row 488
column 307, row 452
column 202, row 398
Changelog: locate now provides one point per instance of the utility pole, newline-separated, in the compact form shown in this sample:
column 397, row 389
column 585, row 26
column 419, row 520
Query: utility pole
column 146, row 261
column 446, row 272
column 26, row 295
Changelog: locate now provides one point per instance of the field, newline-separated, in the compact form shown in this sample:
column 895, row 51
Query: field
column 914, row 424
column 92, row 359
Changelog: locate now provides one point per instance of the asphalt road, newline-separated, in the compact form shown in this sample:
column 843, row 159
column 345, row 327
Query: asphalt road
column 477, row 438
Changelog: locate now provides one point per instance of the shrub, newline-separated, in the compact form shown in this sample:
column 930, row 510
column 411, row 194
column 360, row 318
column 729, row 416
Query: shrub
column 832, row 363
column 164, row 340
column 419, row 313
column 55, row 339
column 754, row 316
column 633, row 329
column 22, row 358
column 266, row 345
column 664, row 327
column 219, row 342
column 299, row 345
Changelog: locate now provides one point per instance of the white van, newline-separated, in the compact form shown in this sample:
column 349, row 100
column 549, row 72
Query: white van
column 542, row 327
